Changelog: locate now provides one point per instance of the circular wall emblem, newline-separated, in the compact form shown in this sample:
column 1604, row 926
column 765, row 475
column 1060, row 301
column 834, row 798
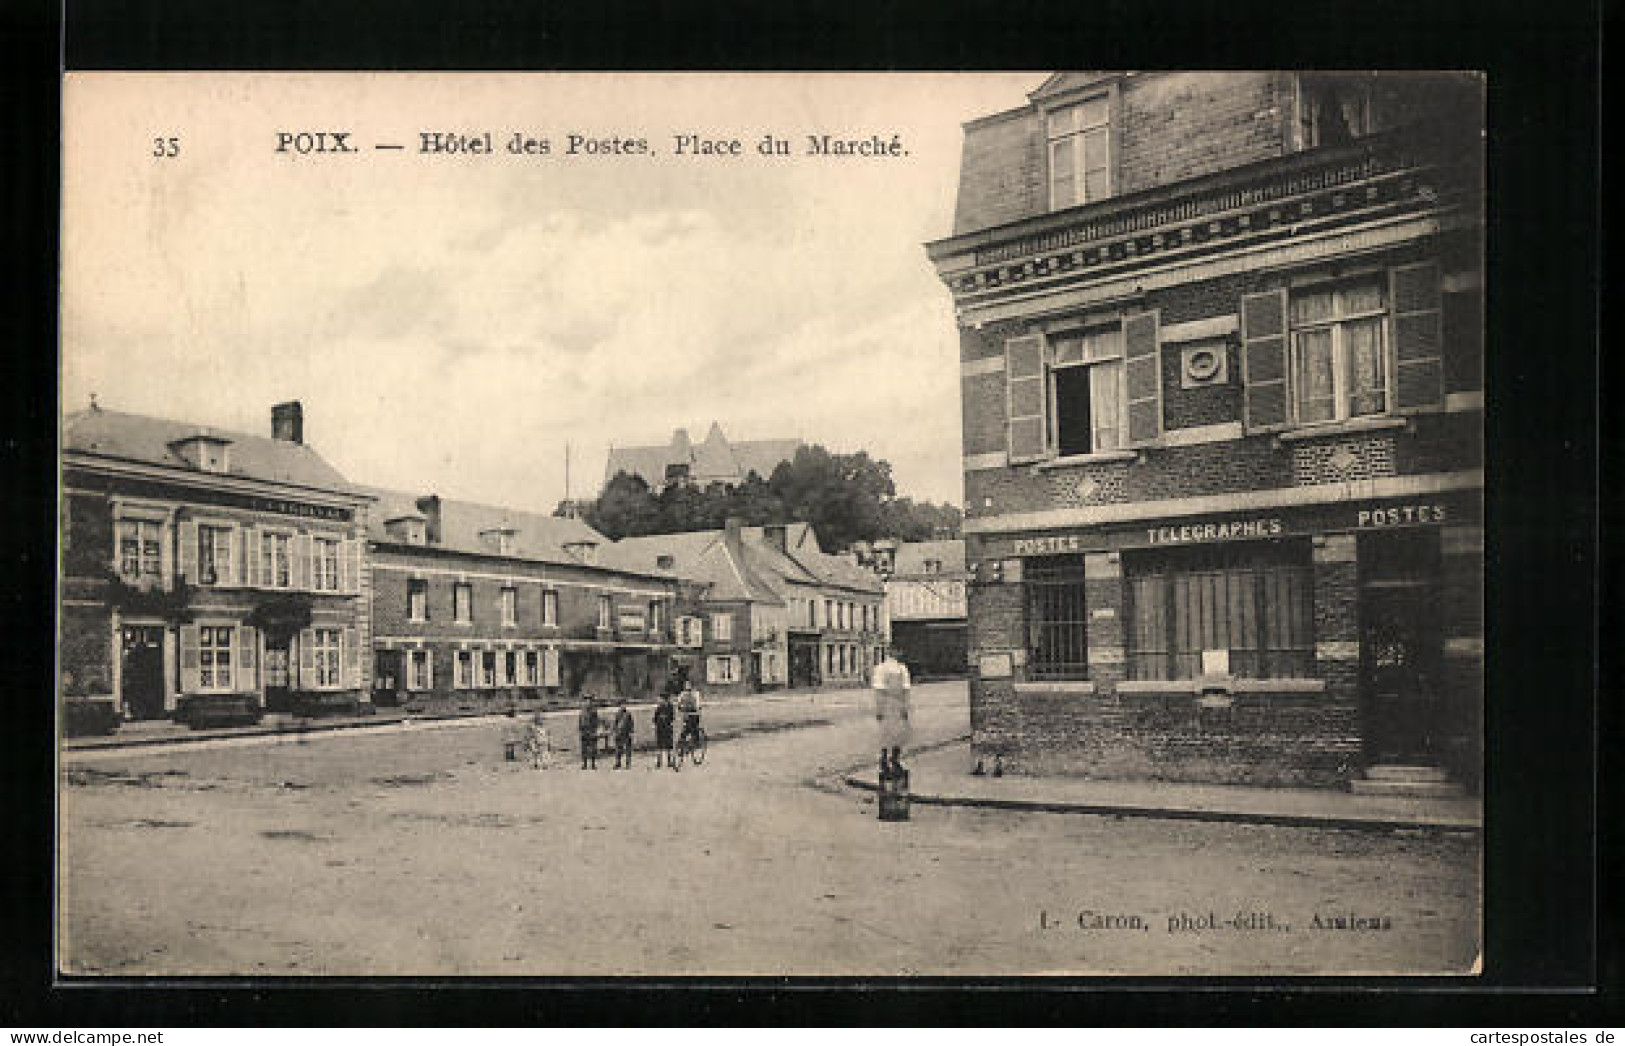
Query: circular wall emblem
column 1203, row 364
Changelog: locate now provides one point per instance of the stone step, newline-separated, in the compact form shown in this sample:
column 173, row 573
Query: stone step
column 1398, row 772
column 1413, row 789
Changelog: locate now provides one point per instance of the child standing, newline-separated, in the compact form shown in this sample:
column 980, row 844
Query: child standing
column 622, row 732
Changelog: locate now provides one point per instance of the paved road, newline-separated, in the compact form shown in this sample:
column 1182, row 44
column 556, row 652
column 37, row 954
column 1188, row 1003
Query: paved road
column 422, row 852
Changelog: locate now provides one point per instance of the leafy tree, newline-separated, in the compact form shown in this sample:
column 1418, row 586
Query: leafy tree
column 626, row 508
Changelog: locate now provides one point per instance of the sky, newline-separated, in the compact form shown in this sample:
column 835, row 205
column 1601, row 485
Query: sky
column 451, row 322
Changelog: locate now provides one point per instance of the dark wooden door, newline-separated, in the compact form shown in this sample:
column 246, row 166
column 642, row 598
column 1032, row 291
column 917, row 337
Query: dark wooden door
column 142, row 673
column 277, row 675
column 1397, row 648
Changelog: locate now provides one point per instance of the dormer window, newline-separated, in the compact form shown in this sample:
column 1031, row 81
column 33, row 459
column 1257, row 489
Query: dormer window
column 1079, row 138
column 499, row 540
column 584, row 551
column 205, row 452
column 933, row 566
column 408, row 530
column 1333, row 110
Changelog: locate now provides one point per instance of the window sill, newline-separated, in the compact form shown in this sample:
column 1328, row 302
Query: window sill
column 1096, row 458
column 1343, row 428
column 1058, row 686
column 1235, row 686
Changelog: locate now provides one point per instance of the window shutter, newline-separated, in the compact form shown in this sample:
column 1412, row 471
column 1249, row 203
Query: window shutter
column 1142, row 348
column 247, row 658
column 350, row 657
column 428, row 670
column 1025, row 395
column 251, row 556
column 1264, row 360
column 346, row 565
column 299, row 569
column 188, row 540
column 1418, row 338
column 550, row 666
column 191, row 682
column 307, row 659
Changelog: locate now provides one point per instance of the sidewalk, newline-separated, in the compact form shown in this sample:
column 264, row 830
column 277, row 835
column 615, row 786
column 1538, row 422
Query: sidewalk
column 942, row 777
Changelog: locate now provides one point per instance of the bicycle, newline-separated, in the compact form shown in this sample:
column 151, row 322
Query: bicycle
column 690, row 743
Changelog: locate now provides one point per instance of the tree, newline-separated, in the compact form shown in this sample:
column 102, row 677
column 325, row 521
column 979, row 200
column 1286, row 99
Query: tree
column 626, row 508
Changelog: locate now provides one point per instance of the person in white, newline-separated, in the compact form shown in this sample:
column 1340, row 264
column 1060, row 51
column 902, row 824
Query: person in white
column 891, row 683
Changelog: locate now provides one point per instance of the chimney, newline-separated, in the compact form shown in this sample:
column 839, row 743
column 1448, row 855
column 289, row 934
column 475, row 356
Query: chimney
column 430, row 507
column 775, row 535
column 733, row 537
column 288, row 422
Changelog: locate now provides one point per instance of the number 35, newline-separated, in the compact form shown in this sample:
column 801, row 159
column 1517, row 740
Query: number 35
column 166, row 148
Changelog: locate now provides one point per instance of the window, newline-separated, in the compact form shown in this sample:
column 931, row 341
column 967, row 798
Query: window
column 139, row 545
column 550, row 607
column 606, row 610
column 656, row 613
column 724, row 669
column 213, row 554
column 276, row 560
column 418, row 677
column 214, row 657
column 1339, row 360
column 690, row 632
column 325, row 643
column 722, row 627
column 1057, row 618
column 462, row 595
column 510, row 668
column 1086, row 383
column 465, row 669
column 510, row 603
column 1254, row 601
column 324, row 564
column 1080, row 153
column 488, row 669
column 1333, row 111
column 532, row 668
column 417, row 599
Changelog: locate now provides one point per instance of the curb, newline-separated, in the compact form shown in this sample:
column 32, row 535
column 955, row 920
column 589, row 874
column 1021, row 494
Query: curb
column 1371, row 824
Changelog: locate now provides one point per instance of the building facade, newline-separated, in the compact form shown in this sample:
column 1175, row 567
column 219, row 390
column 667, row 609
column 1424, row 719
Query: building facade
column 206, row 575
column 715, row 459
column 475, row 605
column 925, row 605
column 1221, row 362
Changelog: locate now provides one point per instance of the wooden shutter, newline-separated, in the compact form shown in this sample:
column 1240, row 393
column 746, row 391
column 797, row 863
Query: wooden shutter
column 346, row 567
column 550, row 666
column 1264, row 367
column 1418, row 338
column 251, row 555
column 1142, row 373
column 428, row 670
column 188, row 540
column 247, row 658
column 350, row 658
column 299, row 568
column 307, row 658
column 191, row 681
column 1025, row 395
column 353, row 554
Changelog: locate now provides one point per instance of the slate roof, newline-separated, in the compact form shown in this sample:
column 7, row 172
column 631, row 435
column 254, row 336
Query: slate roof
column 714, row 459
column 765, row 573
column 701, row 556
column 147, row 440
column 911, row 557
column 537, row 537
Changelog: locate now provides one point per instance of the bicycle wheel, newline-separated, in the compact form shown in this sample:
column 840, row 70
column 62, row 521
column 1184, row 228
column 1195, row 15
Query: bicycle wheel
column 697, row 753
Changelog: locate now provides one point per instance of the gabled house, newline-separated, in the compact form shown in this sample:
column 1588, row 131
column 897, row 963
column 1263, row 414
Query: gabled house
column 715, row 459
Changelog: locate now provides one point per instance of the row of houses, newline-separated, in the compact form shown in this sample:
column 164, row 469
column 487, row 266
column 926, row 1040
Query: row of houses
column 211, row 575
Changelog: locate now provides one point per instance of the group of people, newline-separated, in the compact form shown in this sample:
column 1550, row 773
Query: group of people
column 622, row 727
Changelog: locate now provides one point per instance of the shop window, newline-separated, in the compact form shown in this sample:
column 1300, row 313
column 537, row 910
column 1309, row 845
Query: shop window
column 276, row 560
column 463, row 603
column 417, row 599
column 214, row 657
column 1339, row 357
column 1057, row 618
column 1086, row 386
column 325, row 656
column 139, row 545
column 1079, row 138
column 1256, row 602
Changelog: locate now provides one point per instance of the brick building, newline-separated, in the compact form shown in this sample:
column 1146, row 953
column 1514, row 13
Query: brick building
column 769, row 608
column 476, row 604
column 1221, row 360
column 715, row 459
column 208, row 575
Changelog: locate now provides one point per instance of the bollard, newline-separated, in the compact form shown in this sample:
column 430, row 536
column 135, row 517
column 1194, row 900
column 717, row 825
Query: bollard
column 894, row 796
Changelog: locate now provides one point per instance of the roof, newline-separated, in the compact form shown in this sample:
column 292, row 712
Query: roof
column 713, row 459
column 763, row 573
column 912, row 556
column 536, row 537
column 701, row 556
column 144, row 439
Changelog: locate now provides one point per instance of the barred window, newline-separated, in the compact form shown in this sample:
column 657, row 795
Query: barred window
column 1057, row 618
column 1255, row 601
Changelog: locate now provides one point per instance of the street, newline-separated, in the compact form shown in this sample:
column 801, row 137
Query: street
column 423, row 852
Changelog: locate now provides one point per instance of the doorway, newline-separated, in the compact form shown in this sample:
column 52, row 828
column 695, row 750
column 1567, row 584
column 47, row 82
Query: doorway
column 277, row 674
column 1400, row 648
column 141, row 676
